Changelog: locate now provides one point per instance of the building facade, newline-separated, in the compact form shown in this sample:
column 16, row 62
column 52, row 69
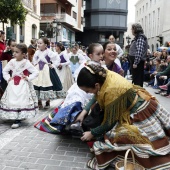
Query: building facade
column 30, row 29
column 103, row 18
column 68, row 14
column 154, row 18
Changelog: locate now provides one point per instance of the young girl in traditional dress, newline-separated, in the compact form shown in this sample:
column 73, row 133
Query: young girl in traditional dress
column 75, row 59
column 64, row 70
column 19, row 101
column 48, row 82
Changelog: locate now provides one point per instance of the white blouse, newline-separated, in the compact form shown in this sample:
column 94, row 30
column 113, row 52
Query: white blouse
column 66, row 57
column 17, row 68
column 40, row 55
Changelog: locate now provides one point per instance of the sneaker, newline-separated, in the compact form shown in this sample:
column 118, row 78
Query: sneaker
column 155, row 87
column 164, row 87
column 16, row 124
column 47, row 105
column 158, row 92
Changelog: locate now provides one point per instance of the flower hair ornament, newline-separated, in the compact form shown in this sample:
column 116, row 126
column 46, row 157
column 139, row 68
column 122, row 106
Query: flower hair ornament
column 88, row 68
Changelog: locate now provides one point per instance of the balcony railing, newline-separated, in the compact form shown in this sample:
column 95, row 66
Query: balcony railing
column 65, row 18
column 48, row 14
column 27, row 3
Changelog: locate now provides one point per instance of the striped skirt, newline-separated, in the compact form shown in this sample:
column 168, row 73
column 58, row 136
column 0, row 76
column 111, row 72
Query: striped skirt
column 153, row 122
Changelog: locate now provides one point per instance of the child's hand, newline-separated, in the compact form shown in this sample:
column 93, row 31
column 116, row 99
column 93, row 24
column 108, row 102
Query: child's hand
column 51, row 66
column 59, row 67
column 102, row 62
column 25, row 78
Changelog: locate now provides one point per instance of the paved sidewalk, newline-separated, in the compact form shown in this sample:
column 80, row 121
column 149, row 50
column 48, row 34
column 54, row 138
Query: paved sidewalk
column 27, row 148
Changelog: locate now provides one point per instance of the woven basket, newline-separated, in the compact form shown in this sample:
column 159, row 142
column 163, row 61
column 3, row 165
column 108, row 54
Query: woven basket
column 126, row 165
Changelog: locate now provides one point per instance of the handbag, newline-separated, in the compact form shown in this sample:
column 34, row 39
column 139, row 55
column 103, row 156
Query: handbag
column 94, row 118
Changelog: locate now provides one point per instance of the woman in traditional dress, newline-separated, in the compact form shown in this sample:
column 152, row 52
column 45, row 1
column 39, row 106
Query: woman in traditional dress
column 48, row 82
column 19, row 101
column 132, row 119
column 64, row 70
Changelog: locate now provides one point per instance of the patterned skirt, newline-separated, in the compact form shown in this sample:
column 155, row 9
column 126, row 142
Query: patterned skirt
column 59, row 119
column 153, row 122
column 65, row 77
column 47, row 84
column 19, row 101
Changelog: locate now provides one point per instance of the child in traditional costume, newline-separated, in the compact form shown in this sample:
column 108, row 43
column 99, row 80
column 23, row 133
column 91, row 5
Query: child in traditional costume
column 19, row 100
column 75, row 59
column 48, row 82
column 63, row 69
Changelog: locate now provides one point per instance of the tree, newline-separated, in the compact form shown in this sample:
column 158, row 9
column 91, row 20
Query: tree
column 12, row 10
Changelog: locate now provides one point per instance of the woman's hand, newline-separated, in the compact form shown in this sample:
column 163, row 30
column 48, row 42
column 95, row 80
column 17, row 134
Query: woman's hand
column 87, row 136
column 10, row 79
column 80, row 117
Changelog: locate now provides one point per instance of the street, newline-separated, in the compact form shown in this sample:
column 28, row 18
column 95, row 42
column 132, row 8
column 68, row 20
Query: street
column 28, row 148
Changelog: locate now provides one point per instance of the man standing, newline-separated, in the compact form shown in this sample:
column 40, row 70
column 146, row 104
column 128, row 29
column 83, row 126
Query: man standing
column 137, row 54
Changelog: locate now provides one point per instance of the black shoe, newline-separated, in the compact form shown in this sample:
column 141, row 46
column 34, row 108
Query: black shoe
column 158, row 92
column 47, row 105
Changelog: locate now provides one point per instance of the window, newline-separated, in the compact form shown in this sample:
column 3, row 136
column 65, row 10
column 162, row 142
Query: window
column 146, row 26
column 153, row 26
column 49, row 8
column 150, row 3
column 21, row 30
column 143, row 8
column 34, row 27
column 82, row 20
column 149, row 24
column 63, row 10
column 146, row 6
column 75, row 15
column 158, row 21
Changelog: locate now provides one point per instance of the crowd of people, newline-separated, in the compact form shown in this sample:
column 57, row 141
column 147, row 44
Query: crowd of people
column 157, row 72
column 100, row 105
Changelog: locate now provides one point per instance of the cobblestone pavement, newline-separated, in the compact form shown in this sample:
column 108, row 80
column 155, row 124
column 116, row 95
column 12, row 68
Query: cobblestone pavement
column 28, row 148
